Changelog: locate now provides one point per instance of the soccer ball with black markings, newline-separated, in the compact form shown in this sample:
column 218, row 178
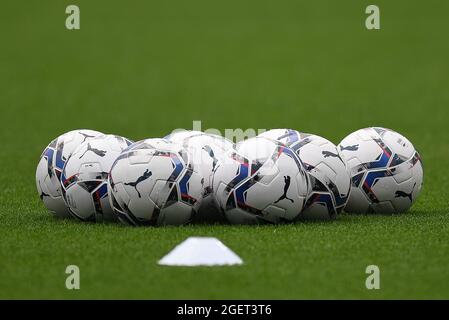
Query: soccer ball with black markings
column 386, row 171
column 327, row 170
column 85, row 174
column 206, row 151
column 155, row 182
column 51, row 164
column 261, row 181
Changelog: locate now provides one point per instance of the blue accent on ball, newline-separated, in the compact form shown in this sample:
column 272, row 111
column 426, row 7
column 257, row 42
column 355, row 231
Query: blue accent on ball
column 48, row 153
column 292, row 136
column 240, row 192
column 103, row 190
column 178, row 167
column 183, row 183
column 373, row 176
column 59, row 161
column 380, row 163
column 322, row 198
column 243, row 173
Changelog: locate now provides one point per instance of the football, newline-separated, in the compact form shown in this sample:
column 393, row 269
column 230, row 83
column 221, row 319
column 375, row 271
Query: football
column 155, row 182
column 51, row 164
column 260, row 181
column 206, row 150
column 386, row 171
column 85, row 174
column 329, row 176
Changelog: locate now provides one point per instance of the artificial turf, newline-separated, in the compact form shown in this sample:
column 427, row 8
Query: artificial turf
column 143, row 68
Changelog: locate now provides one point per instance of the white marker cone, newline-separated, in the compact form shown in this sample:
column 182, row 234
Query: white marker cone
column 200, row 251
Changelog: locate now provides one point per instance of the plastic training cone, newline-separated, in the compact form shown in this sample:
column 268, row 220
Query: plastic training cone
column 200, row 251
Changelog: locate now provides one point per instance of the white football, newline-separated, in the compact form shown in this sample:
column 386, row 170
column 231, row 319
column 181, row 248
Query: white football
column 51, row 163
column 386, row 171
column 206, row 150
column 329, row 176
column 261, row 181
column 155, row 182
column 85, row 175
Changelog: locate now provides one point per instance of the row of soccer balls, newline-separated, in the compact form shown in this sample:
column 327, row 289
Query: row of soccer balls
column 282, row 175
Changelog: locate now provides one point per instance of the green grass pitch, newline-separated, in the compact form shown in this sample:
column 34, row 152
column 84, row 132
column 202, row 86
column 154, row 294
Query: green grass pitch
column 143, row 68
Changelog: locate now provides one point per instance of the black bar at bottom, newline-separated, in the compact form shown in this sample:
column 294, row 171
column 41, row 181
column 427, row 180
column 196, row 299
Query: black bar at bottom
column 224, row 309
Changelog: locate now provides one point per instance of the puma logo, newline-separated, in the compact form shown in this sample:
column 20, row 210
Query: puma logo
column 354, row 147
column 86, row 136
column 402, row 194
column 286, row 186
column 143, row 177
column 100, row 153
column 211, row 154
column 328, row 154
